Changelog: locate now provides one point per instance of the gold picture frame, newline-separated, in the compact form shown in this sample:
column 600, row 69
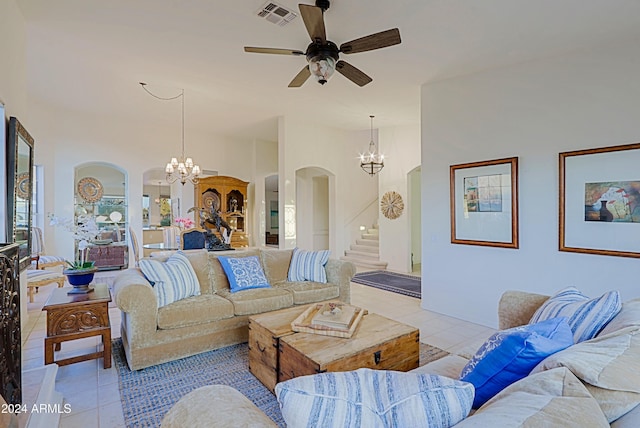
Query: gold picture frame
column 599, row 201
column 484, row 203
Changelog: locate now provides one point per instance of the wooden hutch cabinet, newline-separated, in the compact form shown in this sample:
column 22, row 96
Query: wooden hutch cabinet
column 227, row 195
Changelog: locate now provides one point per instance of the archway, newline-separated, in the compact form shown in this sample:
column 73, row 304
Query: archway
column 415, row 225
column 315, row 208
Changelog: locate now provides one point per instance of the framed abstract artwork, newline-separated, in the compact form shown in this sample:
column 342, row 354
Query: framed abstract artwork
column 484, row 203
column 599, row 201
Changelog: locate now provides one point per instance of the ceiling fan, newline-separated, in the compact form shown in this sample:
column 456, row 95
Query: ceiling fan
column 322, row 54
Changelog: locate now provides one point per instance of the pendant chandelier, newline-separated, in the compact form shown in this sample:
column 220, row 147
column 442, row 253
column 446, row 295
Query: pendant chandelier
column 181, row 168
column 372, row 162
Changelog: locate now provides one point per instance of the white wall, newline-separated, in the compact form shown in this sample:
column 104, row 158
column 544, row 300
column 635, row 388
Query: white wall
column 304, row 144
column 265, row 163
column 65, row 139
column 401, row 147
column 13, row 94
column 534, row 111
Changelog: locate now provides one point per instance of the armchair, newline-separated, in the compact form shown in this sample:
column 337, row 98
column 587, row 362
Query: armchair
column 41, row 260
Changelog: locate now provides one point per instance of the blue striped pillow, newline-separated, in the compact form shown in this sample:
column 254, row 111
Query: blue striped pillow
column 172, row 280
column 586, row 317
column 308, row 265
column 373, row 399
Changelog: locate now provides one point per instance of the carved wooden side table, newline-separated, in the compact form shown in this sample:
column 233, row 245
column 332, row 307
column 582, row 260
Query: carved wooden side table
column 76, row 316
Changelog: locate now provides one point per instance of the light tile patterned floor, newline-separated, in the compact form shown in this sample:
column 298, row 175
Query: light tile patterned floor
column 93, row 392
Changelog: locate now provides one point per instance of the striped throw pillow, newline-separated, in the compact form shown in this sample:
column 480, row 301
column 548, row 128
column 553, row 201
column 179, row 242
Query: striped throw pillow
column 374, row 399
column 172, row 280
column 586, row 317
column 308, row 265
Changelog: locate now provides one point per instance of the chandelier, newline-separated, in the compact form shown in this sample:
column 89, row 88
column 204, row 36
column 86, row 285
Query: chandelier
column 372, row 162
column 181, row 168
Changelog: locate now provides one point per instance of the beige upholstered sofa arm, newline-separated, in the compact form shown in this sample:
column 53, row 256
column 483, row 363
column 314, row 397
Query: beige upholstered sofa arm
column 139, row 305
column 517, row 307
column 340, row 273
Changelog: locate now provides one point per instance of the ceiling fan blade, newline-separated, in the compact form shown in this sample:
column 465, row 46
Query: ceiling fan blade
column 276, row 51
column 352, row 73
column 371, row 42
column 300, row 78
column 314, row 21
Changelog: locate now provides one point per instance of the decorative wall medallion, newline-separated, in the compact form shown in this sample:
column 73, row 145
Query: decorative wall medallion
column 211, row 200
column 23, row 185
column 391, row 205
column 90, row 189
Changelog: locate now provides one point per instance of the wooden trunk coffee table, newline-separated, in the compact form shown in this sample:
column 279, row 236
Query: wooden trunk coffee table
column 76, row 316
column 276, row 353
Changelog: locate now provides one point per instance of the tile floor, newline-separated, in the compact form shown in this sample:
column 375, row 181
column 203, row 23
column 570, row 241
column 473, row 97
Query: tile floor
column 92, row 391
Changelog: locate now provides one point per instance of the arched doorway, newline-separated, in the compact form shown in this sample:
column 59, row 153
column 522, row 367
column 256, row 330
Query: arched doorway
column 315, row 208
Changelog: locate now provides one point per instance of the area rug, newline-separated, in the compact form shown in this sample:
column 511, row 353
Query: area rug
column 148, row 394
column 390, row 281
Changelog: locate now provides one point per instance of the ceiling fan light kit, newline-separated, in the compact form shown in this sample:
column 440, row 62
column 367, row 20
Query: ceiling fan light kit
column 323, row 55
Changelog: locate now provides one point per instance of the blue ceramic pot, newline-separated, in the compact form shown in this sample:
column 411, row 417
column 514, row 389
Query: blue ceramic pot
column 79, row 278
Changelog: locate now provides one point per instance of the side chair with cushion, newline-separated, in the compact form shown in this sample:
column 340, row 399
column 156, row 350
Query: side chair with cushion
column 134, row 246
column 39, row 278
column 40, row 259
column 192, row 239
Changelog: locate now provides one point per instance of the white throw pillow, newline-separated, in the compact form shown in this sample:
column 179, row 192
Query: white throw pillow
column 172, row 280
column 374, row 399
column 586, row 317
column 308, row 265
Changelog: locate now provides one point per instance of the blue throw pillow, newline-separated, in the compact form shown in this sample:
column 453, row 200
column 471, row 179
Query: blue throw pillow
column 308, row 265
column 244, row 273
column 586, row 317
column 510, row 355
column 172, row 280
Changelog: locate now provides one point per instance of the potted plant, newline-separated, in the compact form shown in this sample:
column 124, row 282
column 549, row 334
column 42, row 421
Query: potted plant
column 80, row 272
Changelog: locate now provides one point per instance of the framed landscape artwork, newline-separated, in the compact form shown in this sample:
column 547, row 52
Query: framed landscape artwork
column 600, row 201
column 484, row 203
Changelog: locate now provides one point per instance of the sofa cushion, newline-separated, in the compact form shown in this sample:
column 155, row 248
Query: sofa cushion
column 219, row 279
column 551, row 399
column 510, row 355
column 586, row 316
column 258, row 300
column 244, row 273
column 609, row 365
column 194, row 310
column 215, row 405
column 276, row 264
column 373, row 398
column 308, row 265
column 199, row 260
column 172, row 280
column 629, row 316
column 310, row 292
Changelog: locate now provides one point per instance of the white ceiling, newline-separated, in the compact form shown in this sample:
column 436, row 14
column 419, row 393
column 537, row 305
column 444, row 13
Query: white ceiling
column 88, row 55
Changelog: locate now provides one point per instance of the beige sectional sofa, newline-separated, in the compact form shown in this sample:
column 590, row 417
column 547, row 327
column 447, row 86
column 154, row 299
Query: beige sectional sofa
column 590, row 384
column 216, row 318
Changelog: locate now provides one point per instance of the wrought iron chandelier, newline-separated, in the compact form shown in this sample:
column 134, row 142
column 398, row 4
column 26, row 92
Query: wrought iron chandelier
column 372, row 162
column 182, row 168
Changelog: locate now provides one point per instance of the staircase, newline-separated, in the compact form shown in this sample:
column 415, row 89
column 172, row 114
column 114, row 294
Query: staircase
column 365, row 253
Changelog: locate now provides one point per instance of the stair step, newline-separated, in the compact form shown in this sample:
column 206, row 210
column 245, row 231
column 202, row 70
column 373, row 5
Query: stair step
column 371, row 236
column 373, row 231
column 370, row 264
column 365, row 248
column 362, row 254
column 368, row 242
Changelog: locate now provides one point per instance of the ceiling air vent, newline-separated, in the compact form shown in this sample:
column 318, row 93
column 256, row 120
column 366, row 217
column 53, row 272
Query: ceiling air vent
column 276, row 14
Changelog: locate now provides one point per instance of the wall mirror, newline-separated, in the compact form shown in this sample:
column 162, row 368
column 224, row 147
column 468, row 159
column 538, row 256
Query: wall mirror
column 19, row 189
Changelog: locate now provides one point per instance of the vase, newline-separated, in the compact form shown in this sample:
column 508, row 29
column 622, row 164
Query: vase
column 80, row 280
column 605, row 214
